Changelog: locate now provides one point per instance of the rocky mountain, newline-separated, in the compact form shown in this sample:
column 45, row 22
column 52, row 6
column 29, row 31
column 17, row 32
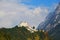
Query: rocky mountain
column 27, row 26
column 51, row 20
column 52, row 24
column 55, row 32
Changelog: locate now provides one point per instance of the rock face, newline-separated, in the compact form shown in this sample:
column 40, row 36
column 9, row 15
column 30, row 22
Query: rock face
column 55, row 32
column 27, row 26
column 52, row 24
column 51, row 21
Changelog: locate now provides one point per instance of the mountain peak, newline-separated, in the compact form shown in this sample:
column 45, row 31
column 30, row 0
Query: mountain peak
column 27, row 26
column 52, row 19
column 23, row 23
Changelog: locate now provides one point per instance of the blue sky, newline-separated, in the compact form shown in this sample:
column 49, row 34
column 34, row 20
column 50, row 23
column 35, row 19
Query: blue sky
column 41, row 2
column 12, row 12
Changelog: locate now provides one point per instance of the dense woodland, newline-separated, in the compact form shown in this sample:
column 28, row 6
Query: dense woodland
column 21, row 33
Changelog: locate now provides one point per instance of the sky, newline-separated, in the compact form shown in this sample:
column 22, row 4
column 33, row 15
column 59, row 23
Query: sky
column 12, row 12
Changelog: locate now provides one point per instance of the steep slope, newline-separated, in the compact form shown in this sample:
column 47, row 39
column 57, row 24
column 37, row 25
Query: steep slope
column 55, row 32
column 51, row 20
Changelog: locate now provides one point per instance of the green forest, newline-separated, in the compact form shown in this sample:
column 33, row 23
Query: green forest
column 21, row 33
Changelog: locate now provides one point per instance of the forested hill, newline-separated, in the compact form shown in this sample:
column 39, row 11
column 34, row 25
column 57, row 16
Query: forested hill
column 21, row 33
